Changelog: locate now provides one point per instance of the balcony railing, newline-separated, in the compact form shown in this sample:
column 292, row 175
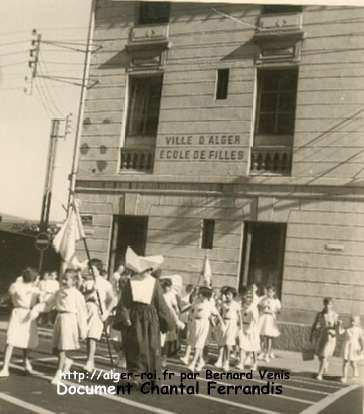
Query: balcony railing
column 273, row 23
column 153, row 35
column 271, row 160
column 137, row 160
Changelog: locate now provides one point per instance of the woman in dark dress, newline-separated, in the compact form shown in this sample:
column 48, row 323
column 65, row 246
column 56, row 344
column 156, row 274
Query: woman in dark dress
column 142, row 314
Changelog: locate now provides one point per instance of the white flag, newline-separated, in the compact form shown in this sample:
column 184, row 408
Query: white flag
column 65, row 240
column 206, row 272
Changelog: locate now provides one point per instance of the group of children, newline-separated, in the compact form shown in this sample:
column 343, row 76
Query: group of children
column 82, row 303
column 243, row 326
column 324, row 332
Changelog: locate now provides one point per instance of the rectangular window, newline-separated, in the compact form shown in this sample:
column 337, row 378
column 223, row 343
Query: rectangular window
column 144, row 103
column 281, row 9
column 276, row 108
column 154, row 12
column 207, row 237
column 222, row 83
column 87, row 220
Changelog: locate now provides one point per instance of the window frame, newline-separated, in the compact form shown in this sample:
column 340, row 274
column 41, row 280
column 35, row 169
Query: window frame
column 133, row 78
column 281, row 9
column 225, row 85
column 275, row 111
column 143, row 20
column 207, row 234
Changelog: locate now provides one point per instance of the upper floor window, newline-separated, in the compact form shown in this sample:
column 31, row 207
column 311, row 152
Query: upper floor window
column 144, row 103
column 154, row 12
column 222, row 83
column 207, row 234
column 281, row 9
column 276, row 106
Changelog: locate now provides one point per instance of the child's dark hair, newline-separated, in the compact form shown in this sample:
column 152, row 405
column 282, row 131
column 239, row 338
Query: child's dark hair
column 166, row 283
column 189, row 288
column 157, row 273
column 205, row 292
column 72, row 273
column 231, row 290
column 29, row 275
column 97, row 263
column 327, row 300
column 272, row 288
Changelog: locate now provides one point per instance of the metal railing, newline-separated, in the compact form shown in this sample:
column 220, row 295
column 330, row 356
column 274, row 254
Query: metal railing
column 137, row 160
column 271, row 160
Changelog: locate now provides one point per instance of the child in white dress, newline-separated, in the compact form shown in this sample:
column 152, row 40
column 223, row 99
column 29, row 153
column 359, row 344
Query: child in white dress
column 230, row 314
column 353, row 347
column 71, row 320
column 268, row 328
column 22, row 330
column 97, row 287
column 325, row 329
column 249, row 340
column 202, row 311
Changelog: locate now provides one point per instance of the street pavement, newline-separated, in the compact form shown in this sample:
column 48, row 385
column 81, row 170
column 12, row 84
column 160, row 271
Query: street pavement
column 303, row 394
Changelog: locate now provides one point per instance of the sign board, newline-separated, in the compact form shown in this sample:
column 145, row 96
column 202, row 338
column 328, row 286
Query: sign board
column 42, row 242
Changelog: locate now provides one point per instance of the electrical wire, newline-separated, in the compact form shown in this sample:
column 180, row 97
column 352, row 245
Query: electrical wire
column 49, row 103
column 52, row 94
column 42, row 101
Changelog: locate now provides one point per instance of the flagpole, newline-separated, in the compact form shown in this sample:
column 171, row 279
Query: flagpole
column 74, row 207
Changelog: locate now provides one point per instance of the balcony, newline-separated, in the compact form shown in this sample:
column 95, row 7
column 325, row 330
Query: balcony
column 141, row 37
column 270, row 160
column 136, row 160
column 275, row 25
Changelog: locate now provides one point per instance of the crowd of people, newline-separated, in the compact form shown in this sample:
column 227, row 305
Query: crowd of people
column 146, row 317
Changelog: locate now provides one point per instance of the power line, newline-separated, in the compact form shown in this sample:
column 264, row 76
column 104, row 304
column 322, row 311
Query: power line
column 19, row 42
column 18, row 52
column 47, row 100
column 13, row 64
column 41, row 99
column 49, row 89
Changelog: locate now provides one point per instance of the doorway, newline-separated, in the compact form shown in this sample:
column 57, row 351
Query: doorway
column 263, row 255
column 127, row 231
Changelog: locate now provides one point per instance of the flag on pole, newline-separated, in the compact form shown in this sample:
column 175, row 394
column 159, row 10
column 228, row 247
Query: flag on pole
column 206, row 272
column 65, row 240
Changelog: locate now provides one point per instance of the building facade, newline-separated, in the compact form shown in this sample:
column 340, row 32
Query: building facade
column 232, row 131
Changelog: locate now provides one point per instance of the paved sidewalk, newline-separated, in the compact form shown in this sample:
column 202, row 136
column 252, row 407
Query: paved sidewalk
column 286, row 360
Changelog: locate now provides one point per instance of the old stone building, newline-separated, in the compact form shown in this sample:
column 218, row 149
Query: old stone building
column 233, row 131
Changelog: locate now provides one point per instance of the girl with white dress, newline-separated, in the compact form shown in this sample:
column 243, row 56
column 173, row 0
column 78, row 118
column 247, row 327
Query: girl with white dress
column 202, row 312
column 71, row 320
column 268, row 328
column 230, row 314
column 325, row 329
column 353, row 347
column 249, row 340
column 22, row 330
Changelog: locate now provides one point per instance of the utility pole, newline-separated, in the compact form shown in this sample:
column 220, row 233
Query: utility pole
column 48, row 185
column 33, row 59
column 72, row 176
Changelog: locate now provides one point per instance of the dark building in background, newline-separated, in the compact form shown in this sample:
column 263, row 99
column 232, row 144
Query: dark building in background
column 17, row 250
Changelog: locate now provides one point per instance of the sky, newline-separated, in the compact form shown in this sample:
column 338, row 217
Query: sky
column 25, row 120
